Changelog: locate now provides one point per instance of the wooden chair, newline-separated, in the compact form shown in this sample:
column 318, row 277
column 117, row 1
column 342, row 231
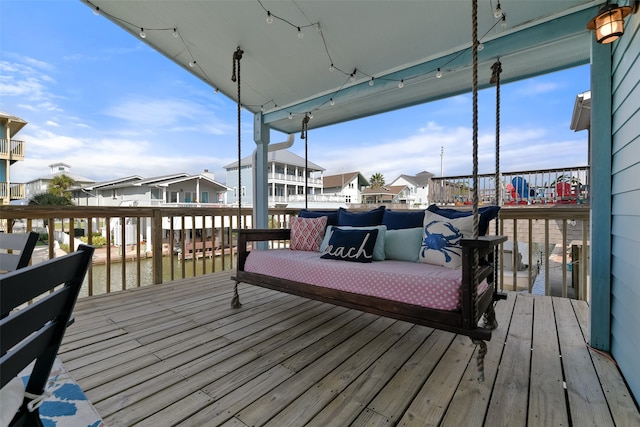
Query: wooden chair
column 34, row 332
column 16, row 250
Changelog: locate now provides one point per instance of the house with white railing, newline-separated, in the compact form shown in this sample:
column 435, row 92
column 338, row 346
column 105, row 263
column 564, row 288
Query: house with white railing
column 417, row 193
column 41, row 184
column 11, row 151
column 345, row 187
column 175, row 189
column 285, row 177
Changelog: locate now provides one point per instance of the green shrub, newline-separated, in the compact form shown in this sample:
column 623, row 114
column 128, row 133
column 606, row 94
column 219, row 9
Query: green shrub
column 97, row 240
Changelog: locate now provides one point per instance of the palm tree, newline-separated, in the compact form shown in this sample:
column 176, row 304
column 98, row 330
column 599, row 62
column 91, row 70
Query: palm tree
column 59, row 184
column 376, row 180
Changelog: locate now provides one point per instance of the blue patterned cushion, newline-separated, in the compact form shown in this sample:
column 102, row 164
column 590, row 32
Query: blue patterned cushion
column 441, row 239
column 351, row 245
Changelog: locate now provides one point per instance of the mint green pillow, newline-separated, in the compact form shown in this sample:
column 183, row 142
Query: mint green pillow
column 378, row 250
column 403, row 244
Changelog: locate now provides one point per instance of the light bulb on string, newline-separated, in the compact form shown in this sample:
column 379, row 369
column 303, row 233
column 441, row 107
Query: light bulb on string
column 352, row 76
column 498, row 12
column 401, row 84
column 480, row 47
column 371, row 83
column 310, row 115
column 269, row 18
column 96, row 11
column 300, row 33
column 503, row 24
column 262, row 109
column 438, row 74
column 175, row 33
column 192, row 64
column 332, row 102
column 332, row 68
column 290, row 116
column 143, row 35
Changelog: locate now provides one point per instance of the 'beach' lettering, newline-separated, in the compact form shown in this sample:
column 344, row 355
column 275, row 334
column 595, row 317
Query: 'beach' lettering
column 339, row 251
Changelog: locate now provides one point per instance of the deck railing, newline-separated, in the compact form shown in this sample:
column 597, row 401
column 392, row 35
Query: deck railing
column 543, row 186
column 160, row 244
column 11, row 149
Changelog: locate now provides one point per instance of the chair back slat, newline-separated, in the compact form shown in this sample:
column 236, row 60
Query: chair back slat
column 34, row 332
column 16, row 249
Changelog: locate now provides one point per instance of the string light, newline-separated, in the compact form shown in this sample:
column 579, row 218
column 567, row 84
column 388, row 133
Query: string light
column 498, row 12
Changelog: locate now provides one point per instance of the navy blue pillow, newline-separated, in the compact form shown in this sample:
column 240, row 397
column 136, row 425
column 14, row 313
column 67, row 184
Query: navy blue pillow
column 360, row 219
column 351, row 245
column 400, row 220
column 332, row 215
column 486, row 213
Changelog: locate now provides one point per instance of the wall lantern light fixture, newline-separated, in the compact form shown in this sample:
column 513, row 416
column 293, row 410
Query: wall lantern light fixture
column 609, row 23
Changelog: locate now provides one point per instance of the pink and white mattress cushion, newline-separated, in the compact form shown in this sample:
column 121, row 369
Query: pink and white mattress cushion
column 425, row 285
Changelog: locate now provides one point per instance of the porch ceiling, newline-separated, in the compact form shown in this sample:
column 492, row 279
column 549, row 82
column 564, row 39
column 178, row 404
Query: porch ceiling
column 390, row 41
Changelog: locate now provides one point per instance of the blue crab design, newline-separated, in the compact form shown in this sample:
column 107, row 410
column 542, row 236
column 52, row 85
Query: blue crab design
column 440, row 242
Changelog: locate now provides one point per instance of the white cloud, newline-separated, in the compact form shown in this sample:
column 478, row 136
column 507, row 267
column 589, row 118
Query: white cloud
column 52, row 123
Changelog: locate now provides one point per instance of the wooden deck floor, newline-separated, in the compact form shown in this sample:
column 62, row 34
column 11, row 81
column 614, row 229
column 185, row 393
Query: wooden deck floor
column 177, row 354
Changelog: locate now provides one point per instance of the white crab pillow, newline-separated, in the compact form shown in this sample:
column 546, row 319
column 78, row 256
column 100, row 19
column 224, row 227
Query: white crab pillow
column 441, row 238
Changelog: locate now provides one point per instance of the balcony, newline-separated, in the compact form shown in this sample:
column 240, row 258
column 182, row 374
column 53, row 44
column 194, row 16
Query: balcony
column 11, row 150
column 543, row 186
column 281, row 178
column 13, row 191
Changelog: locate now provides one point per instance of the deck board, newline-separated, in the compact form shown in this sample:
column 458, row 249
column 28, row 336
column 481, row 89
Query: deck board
column 178, row 354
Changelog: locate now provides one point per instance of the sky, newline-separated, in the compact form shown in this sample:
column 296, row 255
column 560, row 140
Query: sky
column 103, row 102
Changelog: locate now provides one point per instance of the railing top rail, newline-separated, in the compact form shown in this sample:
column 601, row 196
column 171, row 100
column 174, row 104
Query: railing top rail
column 536, row 171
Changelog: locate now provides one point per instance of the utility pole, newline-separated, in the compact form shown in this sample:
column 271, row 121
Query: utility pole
column 441, row 161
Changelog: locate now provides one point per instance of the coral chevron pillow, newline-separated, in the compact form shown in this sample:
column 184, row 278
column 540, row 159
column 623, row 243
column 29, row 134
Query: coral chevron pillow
column 307, row 233
column 441, row 238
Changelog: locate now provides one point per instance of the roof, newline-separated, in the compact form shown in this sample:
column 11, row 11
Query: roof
column 113, row 182
column 421, row 179
column 392, row 190
column 78, row 180
column 339, row 181
column 279, row 156
column 382, row 46
column 15, row 123
column 581, row 118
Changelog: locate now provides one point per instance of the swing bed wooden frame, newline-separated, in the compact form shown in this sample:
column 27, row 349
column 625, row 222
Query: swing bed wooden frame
column 478, row 255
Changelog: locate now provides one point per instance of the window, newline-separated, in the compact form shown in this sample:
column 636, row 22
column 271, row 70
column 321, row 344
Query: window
column 347, row 199
column 204, row 198
column 244, row 191
column 351, row 185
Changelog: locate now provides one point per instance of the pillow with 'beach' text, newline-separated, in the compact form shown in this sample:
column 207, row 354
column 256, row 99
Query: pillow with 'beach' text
column 351, row 245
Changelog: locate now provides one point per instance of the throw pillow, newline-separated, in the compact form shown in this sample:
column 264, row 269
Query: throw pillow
column 441, row 238
column 351, row 245
column 332, row 215
column 396, row 220
column 378, row 249
column 486, row 214
column 404, row 244
column 306, row 233
column 360, row 219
